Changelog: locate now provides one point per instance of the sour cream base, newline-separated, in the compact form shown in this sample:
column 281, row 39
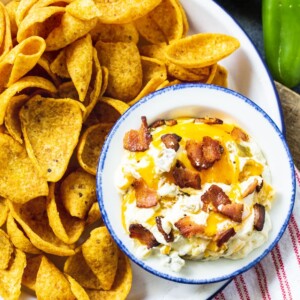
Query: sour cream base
column 240, row 165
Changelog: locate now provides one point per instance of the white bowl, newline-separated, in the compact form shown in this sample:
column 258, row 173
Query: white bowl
column 196, row 100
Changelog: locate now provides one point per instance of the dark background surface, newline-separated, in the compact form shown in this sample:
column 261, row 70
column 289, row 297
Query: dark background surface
column 248, row 15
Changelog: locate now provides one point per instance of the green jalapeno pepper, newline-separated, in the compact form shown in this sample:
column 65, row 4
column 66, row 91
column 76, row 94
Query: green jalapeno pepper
column 281, row 31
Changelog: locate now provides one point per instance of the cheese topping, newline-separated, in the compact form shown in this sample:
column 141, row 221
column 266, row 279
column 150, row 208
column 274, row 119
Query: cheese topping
column 212, row 191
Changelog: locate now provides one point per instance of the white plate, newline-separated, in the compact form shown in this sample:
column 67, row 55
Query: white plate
column 247, row 75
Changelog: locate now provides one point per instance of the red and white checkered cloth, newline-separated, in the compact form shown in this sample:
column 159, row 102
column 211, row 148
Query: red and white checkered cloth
column 277, row 276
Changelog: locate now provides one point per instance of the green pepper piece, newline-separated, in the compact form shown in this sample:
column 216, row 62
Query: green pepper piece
column 281, row 30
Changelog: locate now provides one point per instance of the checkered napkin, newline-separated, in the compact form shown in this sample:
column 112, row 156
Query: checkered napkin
column 277, row 276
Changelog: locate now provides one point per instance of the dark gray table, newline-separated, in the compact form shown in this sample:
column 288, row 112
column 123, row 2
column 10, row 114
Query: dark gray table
column 248, row 15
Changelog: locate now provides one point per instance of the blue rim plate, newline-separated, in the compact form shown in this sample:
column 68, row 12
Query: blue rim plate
column 195, row 100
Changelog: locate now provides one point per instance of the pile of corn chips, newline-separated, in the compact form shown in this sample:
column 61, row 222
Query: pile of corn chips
column 68, row 70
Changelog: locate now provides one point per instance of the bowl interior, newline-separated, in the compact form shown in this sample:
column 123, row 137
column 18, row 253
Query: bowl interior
column 196, row 100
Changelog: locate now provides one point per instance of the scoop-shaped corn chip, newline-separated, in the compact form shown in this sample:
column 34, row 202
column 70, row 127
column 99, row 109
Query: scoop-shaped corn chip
column 32, row 217
column 6, row 250
column 155, row 51
column 83, row 9
column 220, row 77
column 163, row 24
column 20, row 180
column 124, row 11
column 21, row 59
column 90, row 146
column 115, row 33
column 79, row 64
column 154, row 74
column 122, row 284
column 167, row 15
column 163, row 85
column 77, row 289
column 190, row 74
column 44, row 68
column 45, row 3
column 11, row 8
column 65, row 227
column 3, row 211
column 23, row 83
column 77, row 267
column 124, row 66
column 67, row 90
column 18, row 237
column 30, row 272
column 69, row 30
column 109, row 109
column 22, row 10
column 101, row 254
column 12, row 121
column 201, row 50
column 185, row 21
column 78, row 193
column 150, row 30
column 95, row 87
column 51, row 129
column 94, row 214
column 5, row 33
column 10, row 278
column 47, row 274
column 59, row 65
column 40, row 21
column 158, row 51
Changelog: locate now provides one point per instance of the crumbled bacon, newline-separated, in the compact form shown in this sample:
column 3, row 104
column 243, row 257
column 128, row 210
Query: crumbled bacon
column 157, row 123
column 224, row 236
column 209, row 120
column 188, row 228
column 203, row 155
column 259, row 216
column 216, row 196
column 138, row 231
column 171, row 140
column 169, row 237
column 186, row 178
column 238, row 134
column 145, row 196
column 234, row 211
column 170, row 122
column 251, row 188
column 138, row 140
column 259, row 186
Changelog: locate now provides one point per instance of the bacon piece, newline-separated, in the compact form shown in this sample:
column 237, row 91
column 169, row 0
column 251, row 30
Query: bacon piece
column 234, row 211
column 209, row 120
column 145, row 196
column 259, row 216
column 170, row 122
column 169, row 237
column 251, row 188
column 238, row 134
column 157, row 123
column 171, row 140
column 224, row 236
column 188, row 228
column 216, row 196
column 138, row 140
column 259, row 186
column 203, row 155
column 138, row 231
column 185, row 178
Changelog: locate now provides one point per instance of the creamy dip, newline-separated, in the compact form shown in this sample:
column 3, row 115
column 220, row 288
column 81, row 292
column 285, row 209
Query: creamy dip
column 223, row 214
